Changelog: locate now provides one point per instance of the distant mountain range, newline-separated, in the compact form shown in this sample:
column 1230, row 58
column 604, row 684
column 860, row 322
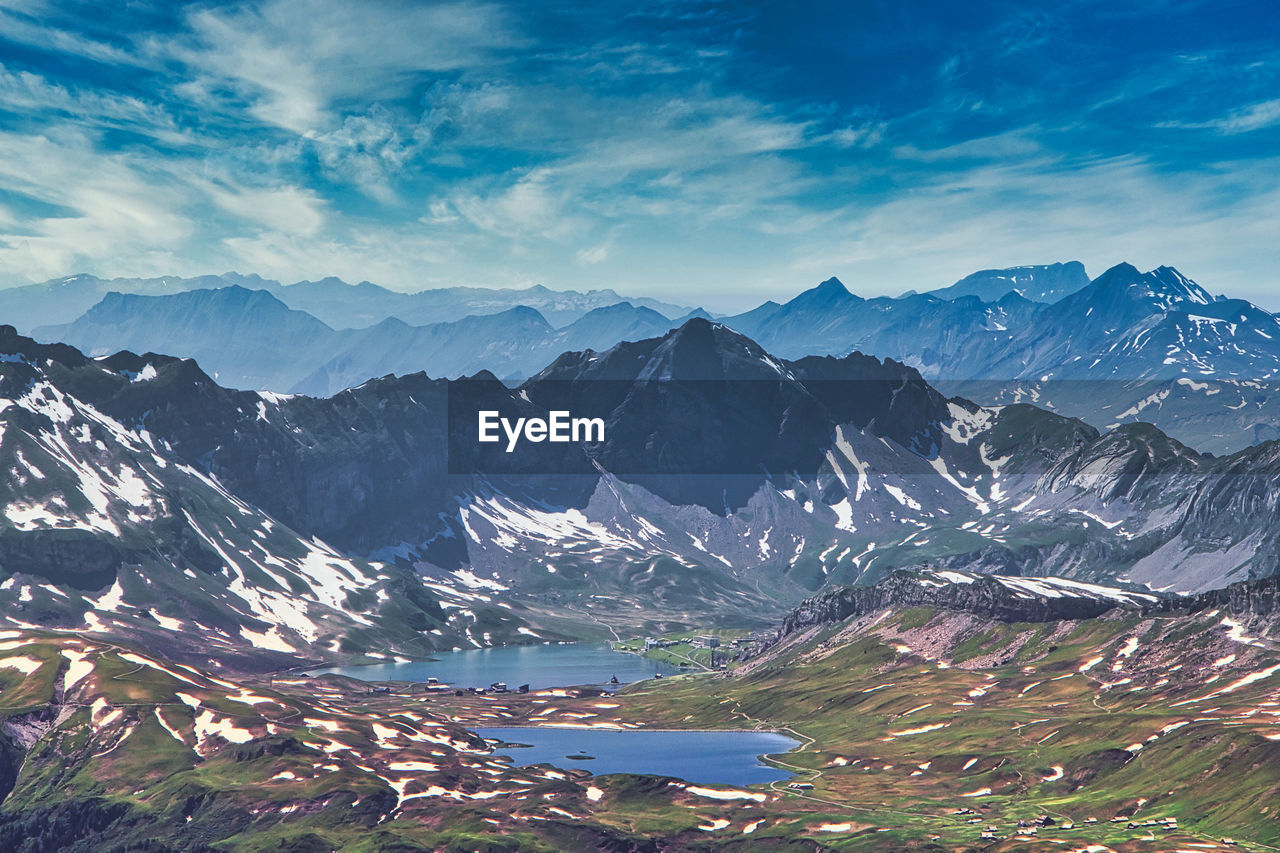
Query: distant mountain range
column 250, row 339
column 730, row 481
column 330, row 300
column 1122, row 348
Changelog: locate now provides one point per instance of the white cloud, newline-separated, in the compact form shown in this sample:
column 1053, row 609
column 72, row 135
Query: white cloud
column 288, row 210
column 32, row 26
column 113, row 211
column 367, row 151
column 1253, row 117
column 440, row 213
column 407, row 143
column 592, row 255
column 1039, row 210
column 24, row 92
column 532, row 206
column 295, row 61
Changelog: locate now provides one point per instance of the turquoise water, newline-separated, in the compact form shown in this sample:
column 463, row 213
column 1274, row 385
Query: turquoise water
column 707, row 758
column 540, row 666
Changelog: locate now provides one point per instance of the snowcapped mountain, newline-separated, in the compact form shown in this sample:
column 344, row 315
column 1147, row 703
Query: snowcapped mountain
column 1135, row 347
column 800, row 473
column 105, row 528
column 728, row 478
column 1046, row 283
column 920, row 328
column 729, row 481
column 1128, row 347
column 1124, row 325
column 1128, row 325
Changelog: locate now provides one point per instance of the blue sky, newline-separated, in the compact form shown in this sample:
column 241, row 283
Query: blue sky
column 711, row 153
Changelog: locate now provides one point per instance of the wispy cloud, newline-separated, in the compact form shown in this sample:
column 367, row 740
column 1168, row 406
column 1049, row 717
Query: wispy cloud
column 1101, row 211
column 30, row 93
column 111, row 214
column 671, row 148
column 1259, row 116
column 591, row 255
column 294, row 62
column 47, row 27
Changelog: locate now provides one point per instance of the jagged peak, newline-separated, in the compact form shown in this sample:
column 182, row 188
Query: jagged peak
column 1175, row 284
column 1161, row 289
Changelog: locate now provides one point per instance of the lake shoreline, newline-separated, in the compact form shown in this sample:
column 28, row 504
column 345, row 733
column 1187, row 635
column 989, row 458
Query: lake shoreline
column 542, row 666
column 568, row 727
column 733, row 757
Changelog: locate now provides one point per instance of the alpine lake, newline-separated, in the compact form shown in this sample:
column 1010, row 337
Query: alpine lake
column 700, row 757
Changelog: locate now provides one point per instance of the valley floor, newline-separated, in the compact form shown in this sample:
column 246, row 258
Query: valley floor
column 920, row 729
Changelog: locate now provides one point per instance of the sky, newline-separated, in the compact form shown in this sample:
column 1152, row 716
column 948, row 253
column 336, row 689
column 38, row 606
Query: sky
column 705, row 153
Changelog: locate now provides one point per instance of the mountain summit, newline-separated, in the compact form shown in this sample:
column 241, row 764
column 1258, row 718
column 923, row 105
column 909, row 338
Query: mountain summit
column 1044, row 283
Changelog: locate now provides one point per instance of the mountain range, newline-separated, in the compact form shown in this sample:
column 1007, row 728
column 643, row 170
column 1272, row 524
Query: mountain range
column 105, row 528
column 250, row 339
column 729, row 482
column 332, row 301
column 1122, row 348
column 1127, row 347
column 968, row 616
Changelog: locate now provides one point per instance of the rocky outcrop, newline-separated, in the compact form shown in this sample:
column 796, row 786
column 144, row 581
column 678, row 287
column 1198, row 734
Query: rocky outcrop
column 10, row 762
column 74, row 558
column 1252, row 598
column 1010, row 599
column 988, row 596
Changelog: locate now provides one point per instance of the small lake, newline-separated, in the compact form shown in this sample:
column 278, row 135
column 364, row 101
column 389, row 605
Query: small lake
column 707, row 758
column 540, row 666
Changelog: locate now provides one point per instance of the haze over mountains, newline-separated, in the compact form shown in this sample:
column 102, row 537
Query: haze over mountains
column 1124, row 347
column 330, row 300
column 1127, row 347
column 250, row 339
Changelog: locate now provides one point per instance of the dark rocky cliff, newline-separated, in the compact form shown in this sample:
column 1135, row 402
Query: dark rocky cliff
column 1007, row 599
column 984, row 596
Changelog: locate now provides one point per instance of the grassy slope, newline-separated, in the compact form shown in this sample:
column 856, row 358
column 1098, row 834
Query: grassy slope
column 905, row 724
column 129, row 752
column 899, row 740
